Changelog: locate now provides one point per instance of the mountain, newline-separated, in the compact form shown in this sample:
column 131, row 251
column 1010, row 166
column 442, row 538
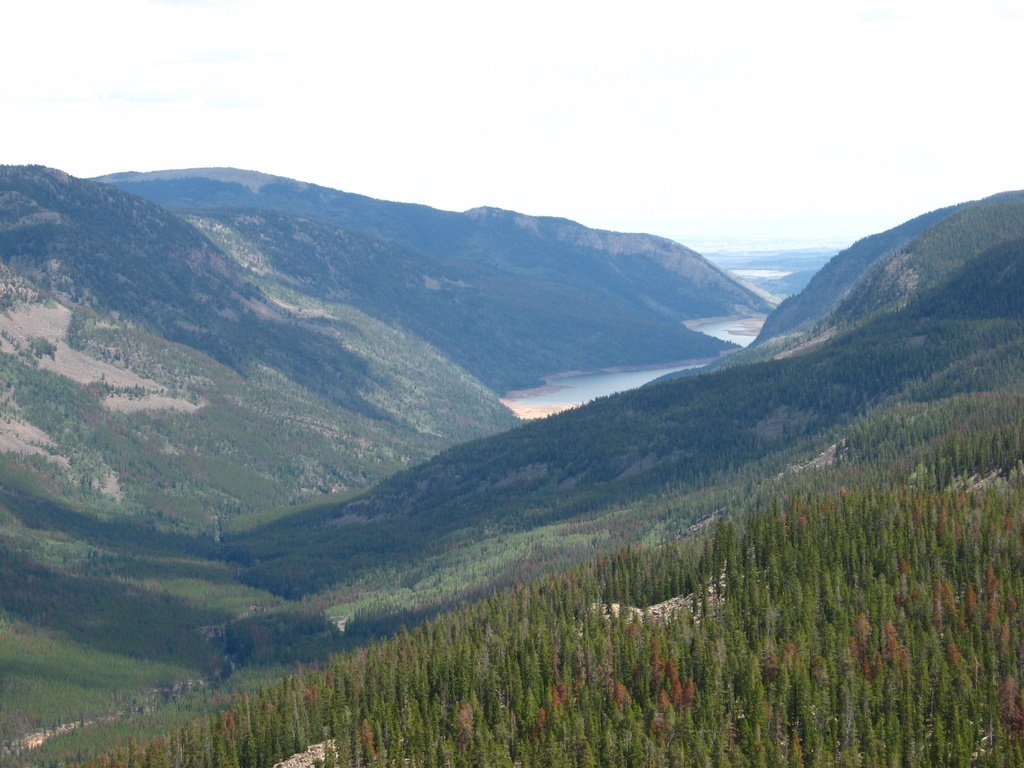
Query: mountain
column 875, row 625
column 881, row 269
column 933, row 255
column 508, row 296
column 154, row 341
column 685, row 438
column 172, row 381
column 833, row 281
column 860, row 608
column 156, row 393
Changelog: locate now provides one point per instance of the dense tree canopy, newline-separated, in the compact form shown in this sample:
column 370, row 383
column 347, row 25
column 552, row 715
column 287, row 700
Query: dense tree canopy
column 876, row 625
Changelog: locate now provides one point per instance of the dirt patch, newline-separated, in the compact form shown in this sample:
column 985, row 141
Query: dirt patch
column 668, row 609
column 699, row 525
column 19, row 327
column 826, row 458
column 978, row 483
column 308, row 758
column 36, row 321
column 28, row 440
column 84, row 369
column 110, row 486
column 300, row 311
column 614, row 610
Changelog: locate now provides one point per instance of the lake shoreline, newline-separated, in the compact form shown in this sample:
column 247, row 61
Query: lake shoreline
column 551, row 380
column 726, row 327
column 569, row 389
column 574, row 388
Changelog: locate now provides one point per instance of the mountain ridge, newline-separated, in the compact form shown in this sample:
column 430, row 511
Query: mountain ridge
column 574, row 276
column 142, row 286
column 849, row 273
column 833, row 282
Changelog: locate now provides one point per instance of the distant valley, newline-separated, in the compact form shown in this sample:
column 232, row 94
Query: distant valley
column 248, row 422
column 510, row 298
column 780, row 272
column 777, row 560
column 175, row 378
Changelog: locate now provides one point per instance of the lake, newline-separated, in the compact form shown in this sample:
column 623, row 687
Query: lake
column 566, row 391
column 738, row 330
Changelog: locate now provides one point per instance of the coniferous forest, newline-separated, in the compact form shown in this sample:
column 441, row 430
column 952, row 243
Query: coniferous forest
column 872, row 626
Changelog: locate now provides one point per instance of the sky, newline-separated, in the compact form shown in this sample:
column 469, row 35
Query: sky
column 729, row 124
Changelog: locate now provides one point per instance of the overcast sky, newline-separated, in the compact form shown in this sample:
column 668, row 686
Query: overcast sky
column 728, row 122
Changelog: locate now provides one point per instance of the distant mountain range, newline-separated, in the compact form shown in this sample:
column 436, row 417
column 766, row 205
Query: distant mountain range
column 508, row 297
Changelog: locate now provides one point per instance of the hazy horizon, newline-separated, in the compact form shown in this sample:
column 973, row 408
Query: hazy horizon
column 726, row 124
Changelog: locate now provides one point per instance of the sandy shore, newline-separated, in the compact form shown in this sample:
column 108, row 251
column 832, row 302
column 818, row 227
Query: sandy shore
column 513, row 400
column 535, row 411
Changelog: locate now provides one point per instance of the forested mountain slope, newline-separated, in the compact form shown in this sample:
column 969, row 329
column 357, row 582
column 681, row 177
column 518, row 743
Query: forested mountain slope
column 160, row 342
column 153, row 393
column 859, row 609
column 515, row 295
column 933, row 256
column 964, row 335
column 507, row 328
column 883, row 269
column 908, row 418
column 875, row 624
column 833, row 281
